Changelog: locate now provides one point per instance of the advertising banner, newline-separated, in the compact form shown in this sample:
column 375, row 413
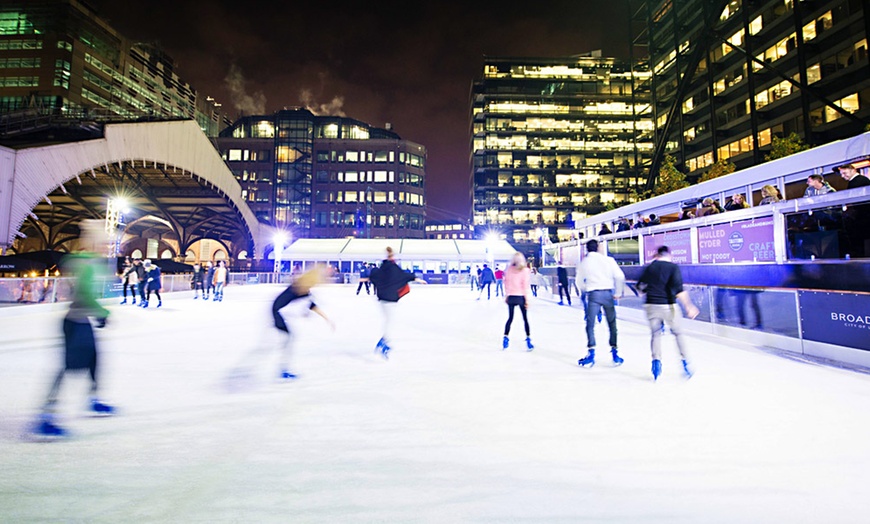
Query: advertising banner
column 743, row 241
column 679, row 243
column 842, row 319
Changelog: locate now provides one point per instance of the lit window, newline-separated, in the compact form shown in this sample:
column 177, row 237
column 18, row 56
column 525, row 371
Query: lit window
column 235, row 155
column 755, row 25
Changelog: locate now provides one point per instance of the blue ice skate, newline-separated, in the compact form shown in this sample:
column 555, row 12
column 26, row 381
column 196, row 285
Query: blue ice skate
column 529, row 345
column 617, row 360
column 286, row 375
column 101, row 409
column 687, row 369
column 46, row 428
column 383, row 348
column 505, row 343
column 656, row 368
column 589, row 359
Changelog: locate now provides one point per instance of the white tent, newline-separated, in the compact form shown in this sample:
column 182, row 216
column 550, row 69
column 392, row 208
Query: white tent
column 437, row 256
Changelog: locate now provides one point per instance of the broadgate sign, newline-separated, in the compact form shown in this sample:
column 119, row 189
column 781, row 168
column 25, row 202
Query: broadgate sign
column 842, row 319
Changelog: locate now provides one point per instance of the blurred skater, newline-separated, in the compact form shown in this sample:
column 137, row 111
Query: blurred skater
column 487, row 277
column 364, row 279
column 391, row 284
column 299, row 290
column 517, row 290
column 153, row 283
column 220, row 280
column 197, row 280
column 209, row 278
column 130, row 278
column 80, row 347
column 662, row 282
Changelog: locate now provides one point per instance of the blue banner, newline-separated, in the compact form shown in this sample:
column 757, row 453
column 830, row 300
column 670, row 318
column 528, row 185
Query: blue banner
column 842, row 319
column 434, row 278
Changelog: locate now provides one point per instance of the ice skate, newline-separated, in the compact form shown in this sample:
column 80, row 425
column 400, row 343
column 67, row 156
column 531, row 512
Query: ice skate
column 529, row 345
column 144, row 303
column 101, row 409
column 589, row 359
column 134, row 302
column 123, row 301
column 46, row 429
column 195, row 297
column 286, row 375
column 656, row 368
column 617, row 360
column 505, row 343
column 382, row 348
column 687, row 369
column 159, row 303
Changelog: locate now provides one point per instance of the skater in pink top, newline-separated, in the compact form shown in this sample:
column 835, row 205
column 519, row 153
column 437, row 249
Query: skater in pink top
column 518, row 292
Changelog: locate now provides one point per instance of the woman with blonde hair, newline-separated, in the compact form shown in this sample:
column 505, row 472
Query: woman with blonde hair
column 769, row 194
column 300, row 289
column 518, row 292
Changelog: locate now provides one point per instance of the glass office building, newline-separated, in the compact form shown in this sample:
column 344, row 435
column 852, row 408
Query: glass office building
column 59, row 58
column 730, row 75
column 555, row 139
column 327, row 177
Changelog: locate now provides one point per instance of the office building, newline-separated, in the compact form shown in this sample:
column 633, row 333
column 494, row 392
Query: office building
column 730, row 75
column 327, row 177
column 59, row 58
column 555, row 139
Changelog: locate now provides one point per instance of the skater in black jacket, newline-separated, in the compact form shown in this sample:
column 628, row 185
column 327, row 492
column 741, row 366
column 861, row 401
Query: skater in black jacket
column 197, row 280
column 300, row 289
column 390, row 284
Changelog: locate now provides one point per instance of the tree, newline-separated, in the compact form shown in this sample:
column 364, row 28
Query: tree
column 721, row 168
column 782, row 147
column 670, row 178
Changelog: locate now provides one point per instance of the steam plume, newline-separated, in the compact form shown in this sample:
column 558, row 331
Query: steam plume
column 251, row 104
column 332, row 108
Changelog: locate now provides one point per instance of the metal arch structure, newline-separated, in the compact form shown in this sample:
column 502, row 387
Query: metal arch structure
column 173, row 179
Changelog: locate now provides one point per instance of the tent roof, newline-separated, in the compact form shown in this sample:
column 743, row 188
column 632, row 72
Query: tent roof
column 410, row 249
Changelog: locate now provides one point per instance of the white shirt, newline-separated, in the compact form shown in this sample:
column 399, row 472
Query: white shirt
column 600, row 272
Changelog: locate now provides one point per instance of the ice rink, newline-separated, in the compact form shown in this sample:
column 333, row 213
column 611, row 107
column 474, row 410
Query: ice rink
column 449, row 429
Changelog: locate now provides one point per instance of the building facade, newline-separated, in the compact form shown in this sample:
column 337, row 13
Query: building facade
column 58, row 57
column 448, row 229
column 328, row 177
column 555, row 139
column 730, row 75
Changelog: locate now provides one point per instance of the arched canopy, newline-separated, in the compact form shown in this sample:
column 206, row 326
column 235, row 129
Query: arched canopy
column 169, row 173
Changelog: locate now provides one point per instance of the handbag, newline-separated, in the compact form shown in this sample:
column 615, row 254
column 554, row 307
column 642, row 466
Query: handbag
column 404, row 290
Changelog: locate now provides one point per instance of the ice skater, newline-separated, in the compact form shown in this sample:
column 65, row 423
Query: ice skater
column 299, row 290
column 130, row 278
column 562, row 277
column 220, row 281
column 517, row 290
column 209, row 278
column 391, row 284
column 197, row 280
column 487, row 277
column 80, row 346
column 153, row 283
column 603, row 282
column 662, row 282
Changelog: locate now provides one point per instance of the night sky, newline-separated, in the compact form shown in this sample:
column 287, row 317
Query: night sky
column 410, row 63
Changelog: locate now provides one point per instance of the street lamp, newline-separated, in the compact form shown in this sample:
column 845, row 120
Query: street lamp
column 115, row 209
column 278, row 242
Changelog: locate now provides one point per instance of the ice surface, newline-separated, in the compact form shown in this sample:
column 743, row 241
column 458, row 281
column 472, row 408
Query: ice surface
column 450, row 429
